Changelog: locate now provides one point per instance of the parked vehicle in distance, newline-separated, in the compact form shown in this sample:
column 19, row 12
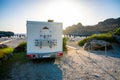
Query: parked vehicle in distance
column 44, row 39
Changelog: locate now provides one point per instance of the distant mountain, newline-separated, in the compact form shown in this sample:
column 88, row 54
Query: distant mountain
column 101, row 27
column 108, row 25
column 110, row 21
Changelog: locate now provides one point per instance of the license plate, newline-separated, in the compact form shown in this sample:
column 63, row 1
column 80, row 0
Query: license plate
column 46, row 56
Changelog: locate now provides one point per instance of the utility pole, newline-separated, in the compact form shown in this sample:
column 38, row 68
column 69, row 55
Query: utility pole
column 76, row 47
column 105, row 49
column 89, row 52
column 90, row 49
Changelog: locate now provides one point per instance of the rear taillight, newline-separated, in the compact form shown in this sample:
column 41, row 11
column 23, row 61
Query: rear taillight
column 30, row 55
column 60, row 54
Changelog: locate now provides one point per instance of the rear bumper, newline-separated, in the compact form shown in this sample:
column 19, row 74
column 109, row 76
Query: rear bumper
column 44, row 55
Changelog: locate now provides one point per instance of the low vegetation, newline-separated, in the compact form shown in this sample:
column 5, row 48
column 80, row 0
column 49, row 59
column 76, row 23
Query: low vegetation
column 5, row 67
column 64, row 44
column 2, row 54
column 21, row 47
column 117, row 31
column 107, row 37
column 18, row 57
column 5, row 51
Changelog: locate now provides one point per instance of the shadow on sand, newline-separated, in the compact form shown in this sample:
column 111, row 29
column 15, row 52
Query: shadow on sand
column 38, row 69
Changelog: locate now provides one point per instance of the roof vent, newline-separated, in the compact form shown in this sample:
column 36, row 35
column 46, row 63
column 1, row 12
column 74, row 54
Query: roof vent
column 45, row 27
column 50, row 20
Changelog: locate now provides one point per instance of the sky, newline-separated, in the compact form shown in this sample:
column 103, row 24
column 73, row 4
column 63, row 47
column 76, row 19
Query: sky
column 15, row 13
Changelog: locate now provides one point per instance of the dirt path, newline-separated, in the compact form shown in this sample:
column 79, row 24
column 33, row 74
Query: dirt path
column 79, row 66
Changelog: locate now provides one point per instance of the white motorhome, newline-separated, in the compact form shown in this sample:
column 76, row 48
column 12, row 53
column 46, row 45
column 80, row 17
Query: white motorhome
column 44, row 39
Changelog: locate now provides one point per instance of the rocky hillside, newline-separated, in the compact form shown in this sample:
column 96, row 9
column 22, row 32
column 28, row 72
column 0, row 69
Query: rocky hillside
column 108, row 25
column 101, row 27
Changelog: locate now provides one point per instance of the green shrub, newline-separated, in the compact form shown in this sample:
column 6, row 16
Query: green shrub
column 5, row 51
column 83, row 41
column 117, row 31
column 64, row 44
column 107, row 37
column 2, row 54
column 21, row 47
column 23, row 44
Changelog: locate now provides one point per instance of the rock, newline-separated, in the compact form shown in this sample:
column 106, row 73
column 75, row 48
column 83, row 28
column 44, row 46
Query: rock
column 86, row 46
column 3, row 46
column 97, row 45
